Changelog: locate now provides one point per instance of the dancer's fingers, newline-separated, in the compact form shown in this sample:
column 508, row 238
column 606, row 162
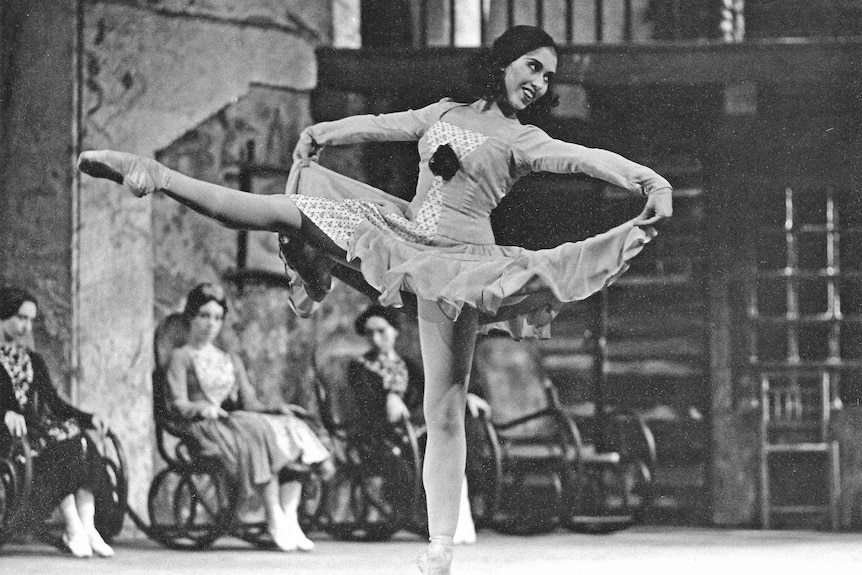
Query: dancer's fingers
column 643, row 221
column 93, row 164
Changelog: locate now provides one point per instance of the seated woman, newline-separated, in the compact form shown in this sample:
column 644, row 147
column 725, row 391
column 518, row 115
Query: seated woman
column 67, row 467
column 211, row 395
column 388, row 389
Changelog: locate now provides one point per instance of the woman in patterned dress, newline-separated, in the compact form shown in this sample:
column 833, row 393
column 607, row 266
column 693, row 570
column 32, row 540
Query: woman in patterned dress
column 436, row 253
column 265, row 450
column 67, row 467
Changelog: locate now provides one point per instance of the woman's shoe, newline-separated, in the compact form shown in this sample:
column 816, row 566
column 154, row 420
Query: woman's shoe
column 465, row 529
column 98, row 545
column 282, row 541
column 296, row 536
column 142, row 176
column 303, row 543
column 78, row 544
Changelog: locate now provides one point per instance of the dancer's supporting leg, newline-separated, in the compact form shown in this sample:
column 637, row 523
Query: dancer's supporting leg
column 447, row 353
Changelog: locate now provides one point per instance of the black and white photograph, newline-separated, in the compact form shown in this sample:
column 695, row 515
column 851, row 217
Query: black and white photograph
column 430, row 287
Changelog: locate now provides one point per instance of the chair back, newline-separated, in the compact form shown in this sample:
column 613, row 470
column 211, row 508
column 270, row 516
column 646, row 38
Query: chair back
column 796, row 407
column 335, row 396
column 170, row 334
column 509, row 375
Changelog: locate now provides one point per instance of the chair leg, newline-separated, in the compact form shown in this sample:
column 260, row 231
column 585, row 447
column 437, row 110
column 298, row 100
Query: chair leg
column 765, row 512
column 834, row 486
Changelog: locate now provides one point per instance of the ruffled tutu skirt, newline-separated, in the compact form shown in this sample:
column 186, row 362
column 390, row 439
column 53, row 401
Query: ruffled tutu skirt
column 514, row 289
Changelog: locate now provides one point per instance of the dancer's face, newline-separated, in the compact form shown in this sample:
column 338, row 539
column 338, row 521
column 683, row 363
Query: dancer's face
column 17, row 329
column 207, row 323
column 527, row 79
column 380, row 334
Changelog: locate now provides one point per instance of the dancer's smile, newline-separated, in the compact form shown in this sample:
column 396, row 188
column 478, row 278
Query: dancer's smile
column 528, row 78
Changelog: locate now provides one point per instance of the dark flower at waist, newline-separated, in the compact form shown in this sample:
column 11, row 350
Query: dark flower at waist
column 444, row 162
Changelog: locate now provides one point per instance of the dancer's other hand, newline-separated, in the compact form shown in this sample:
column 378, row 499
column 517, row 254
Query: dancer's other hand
column 142, row 176
column 307, row 149
column 659, row 207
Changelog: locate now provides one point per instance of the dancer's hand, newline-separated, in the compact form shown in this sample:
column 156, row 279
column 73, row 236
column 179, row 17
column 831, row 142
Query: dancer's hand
column 307, row 149
column 659, row 207
column 15, row 423
column 142, row 176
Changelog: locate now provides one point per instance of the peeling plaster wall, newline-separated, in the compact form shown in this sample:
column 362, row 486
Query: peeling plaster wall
column 153, row 71
column 35, row 168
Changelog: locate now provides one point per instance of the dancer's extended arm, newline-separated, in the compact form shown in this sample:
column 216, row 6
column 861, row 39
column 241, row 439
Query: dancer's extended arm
column 404, row 126
column 535, row 151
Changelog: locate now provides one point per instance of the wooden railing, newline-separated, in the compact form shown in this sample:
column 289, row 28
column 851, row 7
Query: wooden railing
column 466, row 23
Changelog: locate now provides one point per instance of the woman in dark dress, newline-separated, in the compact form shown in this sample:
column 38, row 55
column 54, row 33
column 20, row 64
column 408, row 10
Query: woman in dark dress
column 388, row 388
column 67, row 467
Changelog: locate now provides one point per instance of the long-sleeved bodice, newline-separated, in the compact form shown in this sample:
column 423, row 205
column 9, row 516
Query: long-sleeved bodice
column 494, row 152
column 440, row 246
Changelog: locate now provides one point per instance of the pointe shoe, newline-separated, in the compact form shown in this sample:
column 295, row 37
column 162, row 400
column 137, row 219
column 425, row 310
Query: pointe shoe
column 312, row 266
column 142, row 176
column 98, row 545
column 435, row 562
column 78, row 545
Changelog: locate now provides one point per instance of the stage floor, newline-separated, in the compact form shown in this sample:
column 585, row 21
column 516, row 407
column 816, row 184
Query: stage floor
column 645, row 549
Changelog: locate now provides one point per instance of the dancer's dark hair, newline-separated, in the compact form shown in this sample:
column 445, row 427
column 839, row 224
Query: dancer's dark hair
column 485, row 71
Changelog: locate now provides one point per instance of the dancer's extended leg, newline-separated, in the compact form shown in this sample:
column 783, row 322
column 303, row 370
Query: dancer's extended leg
column 232, row 208
column 447, row 353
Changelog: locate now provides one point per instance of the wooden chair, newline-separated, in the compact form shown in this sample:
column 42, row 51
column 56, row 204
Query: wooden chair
column 539, row 447
column 191, row 501
column 580, row 483
column 795, row 432
column 376, row 490
column 16, row 478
